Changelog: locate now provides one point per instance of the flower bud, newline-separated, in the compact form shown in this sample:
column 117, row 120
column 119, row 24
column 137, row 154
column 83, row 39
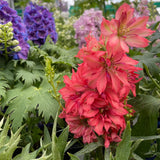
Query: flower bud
column 1, row 31
column 6, row 27
column 10, row 35
column 9, row 24
column 10, row 29
column 15, row 42
column 17, row 49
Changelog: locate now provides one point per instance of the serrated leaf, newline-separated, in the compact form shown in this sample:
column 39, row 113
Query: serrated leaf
column 8, row 144
column 3, row 87
column 29, row 64
column 19, row 105
column 124, row 147
column 6, row 74
column 73, row 157
column 46, row 104
column 22, row 100
column 25, row 155
column 28, row 77
column 43, row 157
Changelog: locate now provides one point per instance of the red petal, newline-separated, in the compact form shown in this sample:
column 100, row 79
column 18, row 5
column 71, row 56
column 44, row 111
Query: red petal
column 139, row 23
column 137, row 41
column 101, row 82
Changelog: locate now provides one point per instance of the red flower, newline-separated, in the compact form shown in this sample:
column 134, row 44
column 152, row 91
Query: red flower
column 125, row 30
column 109, row 69
column 87, row 112
column 96, row 95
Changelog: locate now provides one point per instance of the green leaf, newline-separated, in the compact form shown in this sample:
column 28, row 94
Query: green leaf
column 29, row 64
column 46, row 104
column 62, row 141
column 150, row 60
column 28, row 77
column 70, row 144
column 124, row 147
column 135, row 145
column 23, row 100
column 47, row 139
column 25, row 154
column 18, row 105
column 147, row 106
column 145, row 138
column 73, row 157
column 3, row 87
column 8, row 145
column 55, row 152
column 136, row 157
column 154, row 26
column 89, row 148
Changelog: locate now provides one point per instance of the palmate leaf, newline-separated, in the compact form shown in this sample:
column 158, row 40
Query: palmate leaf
column 28, row 63
column 6, row 73
column 3, row 87
column 147, row 106
column 22, row 100
column 29, row 77
column 19, row 105
column 150, row 60
column 61, row 56
column 67, row 57
column 46, row 104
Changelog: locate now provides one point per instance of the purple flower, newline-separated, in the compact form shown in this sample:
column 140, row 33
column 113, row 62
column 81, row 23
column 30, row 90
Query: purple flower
column 88, row 23
column 39, row 23
column 20, row 33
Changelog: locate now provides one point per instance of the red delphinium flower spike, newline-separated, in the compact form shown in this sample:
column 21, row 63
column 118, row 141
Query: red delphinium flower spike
column 96, row 95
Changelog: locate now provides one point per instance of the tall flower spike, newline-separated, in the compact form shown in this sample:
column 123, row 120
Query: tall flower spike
column 7, row 14
column 40, row 23
column 125, row 30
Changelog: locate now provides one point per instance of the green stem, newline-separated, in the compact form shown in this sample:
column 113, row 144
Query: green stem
column 107, row 154
column 55, row 92
column 44, row 147
column 150, row 76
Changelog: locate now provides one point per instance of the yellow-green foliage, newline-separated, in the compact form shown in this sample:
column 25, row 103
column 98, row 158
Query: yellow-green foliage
column 8, row 144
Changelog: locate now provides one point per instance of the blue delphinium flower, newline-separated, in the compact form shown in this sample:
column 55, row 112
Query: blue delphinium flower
column 39, row 23
column 8, row 14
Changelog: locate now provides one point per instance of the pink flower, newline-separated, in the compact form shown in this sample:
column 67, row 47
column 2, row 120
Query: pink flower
column 79, row 127
column 108, row 69
column 89, row 113
column 96, row 95
column 125, row 30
